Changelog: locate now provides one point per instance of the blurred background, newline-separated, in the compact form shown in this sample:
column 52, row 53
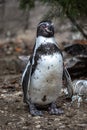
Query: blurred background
column 17, row 16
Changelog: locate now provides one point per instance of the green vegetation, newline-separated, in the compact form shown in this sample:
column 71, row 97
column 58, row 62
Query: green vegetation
column 73, row 9
column 24, row 4
column 70, row 7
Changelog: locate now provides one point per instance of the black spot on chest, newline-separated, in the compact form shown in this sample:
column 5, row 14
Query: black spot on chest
column 44, row 98
column 44, row 49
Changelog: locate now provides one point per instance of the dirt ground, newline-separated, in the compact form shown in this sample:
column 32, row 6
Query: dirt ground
column 14, row 114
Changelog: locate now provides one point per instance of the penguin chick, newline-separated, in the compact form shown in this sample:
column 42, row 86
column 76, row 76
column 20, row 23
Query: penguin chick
column 42, row 77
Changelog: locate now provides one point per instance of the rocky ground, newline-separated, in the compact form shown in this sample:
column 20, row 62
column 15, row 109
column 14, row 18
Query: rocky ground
column 14, row 114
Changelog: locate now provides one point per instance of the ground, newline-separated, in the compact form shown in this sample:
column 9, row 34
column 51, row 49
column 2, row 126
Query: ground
column 14, row 114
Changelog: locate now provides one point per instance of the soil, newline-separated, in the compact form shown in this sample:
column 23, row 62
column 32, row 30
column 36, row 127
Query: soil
column 14, row 114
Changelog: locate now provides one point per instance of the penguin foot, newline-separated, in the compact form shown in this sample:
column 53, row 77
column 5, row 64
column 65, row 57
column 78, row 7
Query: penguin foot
column 34, row 111
column 53, row 110
column 25, row 100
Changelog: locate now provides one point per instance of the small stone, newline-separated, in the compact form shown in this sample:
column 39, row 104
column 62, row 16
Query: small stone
column 29, row 115
column 25, row 127
column 82, row 125
column 37, row 126
column 38, row 122
column 60, row 123
column 18, row 107
column 62, row 126
column 37, row 117
column 1, row 111
column 56, row 119
column 9, row 123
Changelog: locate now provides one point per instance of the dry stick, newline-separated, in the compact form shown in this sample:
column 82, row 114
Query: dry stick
column 77, row 25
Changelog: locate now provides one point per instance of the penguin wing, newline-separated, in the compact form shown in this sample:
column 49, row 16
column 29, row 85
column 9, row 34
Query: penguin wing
column 68, row 82
column 27, row 74
column 26, row 78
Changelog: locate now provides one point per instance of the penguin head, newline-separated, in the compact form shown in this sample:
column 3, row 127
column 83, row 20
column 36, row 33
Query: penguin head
column 45, row 28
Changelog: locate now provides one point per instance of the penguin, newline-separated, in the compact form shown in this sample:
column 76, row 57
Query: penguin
column 43, row 74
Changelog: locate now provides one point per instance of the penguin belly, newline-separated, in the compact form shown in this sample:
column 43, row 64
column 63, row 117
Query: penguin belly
column 46, row 81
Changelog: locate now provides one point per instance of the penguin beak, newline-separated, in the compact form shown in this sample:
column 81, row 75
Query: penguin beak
column 48, row 30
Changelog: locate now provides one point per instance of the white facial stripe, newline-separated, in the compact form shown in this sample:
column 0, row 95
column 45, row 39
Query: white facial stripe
column 43, row 40
column 25, row 71
column 45, row 23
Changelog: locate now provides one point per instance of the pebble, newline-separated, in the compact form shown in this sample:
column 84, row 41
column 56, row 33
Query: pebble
column 37, row 117
column 82, row 125
column 37, row 122
column 62, row 126
column 25, row 127
column 56, row 119
column 29, row 115
column 1, row 111
column 37, row 126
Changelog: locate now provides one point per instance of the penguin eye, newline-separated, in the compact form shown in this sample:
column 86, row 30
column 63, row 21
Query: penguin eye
column 44, row 26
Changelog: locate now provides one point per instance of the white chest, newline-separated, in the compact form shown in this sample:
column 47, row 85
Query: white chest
column 46, row 81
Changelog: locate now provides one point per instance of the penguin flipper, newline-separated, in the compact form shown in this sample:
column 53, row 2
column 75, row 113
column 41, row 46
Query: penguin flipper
column 68, row 82
column 26, row 82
